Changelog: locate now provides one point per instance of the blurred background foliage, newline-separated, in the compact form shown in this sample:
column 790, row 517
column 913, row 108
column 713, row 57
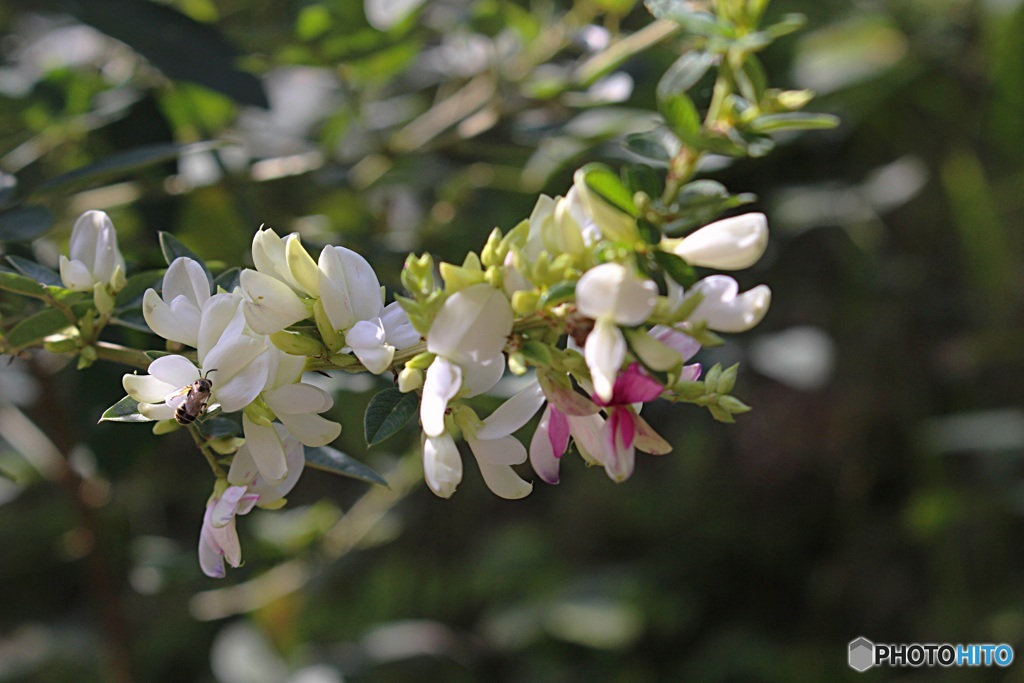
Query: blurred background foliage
column 875, row 490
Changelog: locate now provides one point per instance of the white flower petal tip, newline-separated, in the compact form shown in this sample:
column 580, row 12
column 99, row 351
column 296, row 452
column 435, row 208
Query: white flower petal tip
column 611, row 291
column 724, row 309
column 442, row 465
column 349, row 289
column 94, row 256
column 729, row 244
column 270, row 304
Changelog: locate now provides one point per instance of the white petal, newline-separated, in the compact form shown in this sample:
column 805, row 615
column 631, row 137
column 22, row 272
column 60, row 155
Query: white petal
column 366, row 339
column 611, row 291
column 75, row 275
column 270, row 305
column 175, row 371
column 724, row 310
column 146, row 388
column 506, row 450
column 85, row 235
column 244, row 373
column 179, row 325
column 302, row 270
column 311, row 429
column 477, row 379
column 729, row 244
column 398, row 331
column 349, row 289
column 157, row 411
column 221, row 320
column 294, row 399
column 442, row 465
column 441, row 384
column 586, row 432
column 503, row 480
column 224, row 509
column 285, row 368
column 186, row 278
column 267, row 451
column 513, row 413
column 244, row 472
column 543, row 458
column 604, row 352
column 472, row 325
column 267, row 251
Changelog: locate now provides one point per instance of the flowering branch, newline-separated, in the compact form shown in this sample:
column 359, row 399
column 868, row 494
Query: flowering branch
column 596, row 295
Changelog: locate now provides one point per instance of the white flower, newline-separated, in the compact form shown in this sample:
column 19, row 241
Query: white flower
column 398, row 331
column 236, row 362
column 218, row 538
column 296, row 404
column 349, row 288
column 442, row 464
column 96, row 263
column 468, row 335
column 175, row 315
column 286, row 260
column 612, row 296
column 728, row 244
column 285, row 275
column 724, row 309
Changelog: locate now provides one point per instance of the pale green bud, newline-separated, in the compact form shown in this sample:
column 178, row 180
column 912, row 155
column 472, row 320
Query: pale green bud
column 409, row 379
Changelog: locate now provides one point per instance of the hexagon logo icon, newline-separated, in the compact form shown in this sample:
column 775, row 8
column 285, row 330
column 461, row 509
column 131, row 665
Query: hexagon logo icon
column 862, row 654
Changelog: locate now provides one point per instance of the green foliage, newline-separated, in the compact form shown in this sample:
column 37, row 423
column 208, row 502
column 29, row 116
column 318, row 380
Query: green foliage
column 334, row 461
column 389, row 410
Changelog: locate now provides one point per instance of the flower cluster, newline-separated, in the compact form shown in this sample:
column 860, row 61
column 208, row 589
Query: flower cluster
column 604, row 317
column 570, row 293
column 255, row 366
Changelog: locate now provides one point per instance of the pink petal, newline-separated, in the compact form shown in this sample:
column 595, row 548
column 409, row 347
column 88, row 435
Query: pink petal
column 648, row 440
column 633, row 386
column 618, row 436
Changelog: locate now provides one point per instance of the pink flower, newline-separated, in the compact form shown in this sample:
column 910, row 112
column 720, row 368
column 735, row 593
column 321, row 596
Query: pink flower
column 625, row 430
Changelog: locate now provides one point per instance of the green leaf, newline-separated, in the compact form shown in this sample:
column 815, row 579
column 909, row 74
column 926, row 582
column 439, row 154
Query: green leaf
column 216, row 427
column 25, row 223
column 699, row 203
column 153, row 355
column 136, row 287
column 181, row 47
column 605, row 182
column 227, row 280
column 682, row 117
column 125, row 410
column 659, row 145
column 13, row 282
column 773, row 123
column 334, row 461
column 39, row 273
column 131, row 318
column 4, row 474
column 642, row 178
column 556, row 294
column 116, row 165
column 387, row 413
column 700, row 23
column 676, row 268
column 684, row 73
column 172, row 248
column 35, row 327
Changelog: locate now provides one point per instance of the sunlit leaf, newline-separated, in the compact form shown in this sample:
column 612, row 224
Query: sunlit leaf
column 125, row 410
column 772, row 123
column 685, row 73
column 607, row 183
column 35, row 327
column 659, row 145
column 15, row 282
column 700, row 202
column 334, row 461
column 25, row 223
column 387, row 413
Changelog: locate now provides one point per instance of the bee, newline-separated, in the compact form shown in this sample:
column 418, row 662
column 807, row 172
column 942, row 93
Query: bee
column 196, row 396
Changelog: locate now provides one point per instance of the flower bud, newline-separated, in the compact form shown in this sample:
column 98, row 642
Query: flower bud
column 409, row 379
column 729, row 244
column 95, row 257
